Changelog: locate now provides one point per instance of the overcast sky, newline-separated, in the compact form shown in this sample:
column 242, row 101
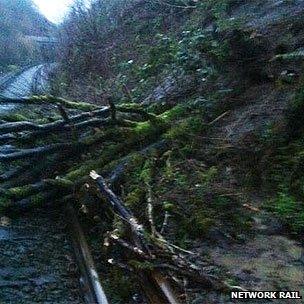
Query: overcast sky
column 54, row 10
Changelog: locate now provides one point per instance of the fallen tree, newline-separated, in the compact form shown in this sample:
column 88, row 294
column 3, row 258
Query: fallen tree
column 144, row 249
column 106, row 139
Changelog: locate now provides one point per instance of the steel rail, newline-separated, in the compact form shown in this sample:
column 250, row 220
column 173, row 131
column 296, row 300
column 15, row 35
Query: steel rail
column 90, row 281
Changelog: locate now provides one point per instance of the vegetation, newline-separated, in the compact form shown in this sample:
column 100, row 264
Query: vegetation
column 19, row 19
column 185, row 111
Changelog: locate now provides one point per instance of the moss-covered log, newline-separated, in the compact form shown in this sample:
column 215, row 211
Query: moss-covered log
column 35, row 152
column 78, row 121
column 19, row 193
column 41, row 199
column 82, row 120
column 42, row 100
column 135, row 136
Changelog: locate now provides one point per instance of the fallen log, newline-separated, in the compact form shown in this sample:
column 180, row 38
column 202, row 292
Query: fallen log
column 35, row 152
column 78, row 121
column 155, row 285
column 42, row 100
column 76, row 147
column 19, row 193
column 45, row 199
column 59, row 125
column 173, row 261
column 118, row 172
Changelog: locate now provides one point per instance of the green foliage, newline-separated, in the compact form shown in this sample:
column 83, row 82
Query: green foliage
column 163, row 44
column 119, row 287
column 160, row 57
column 186, row 129
column 290, row 211
column 295, row 114
column 219, row 11
column 196, row 47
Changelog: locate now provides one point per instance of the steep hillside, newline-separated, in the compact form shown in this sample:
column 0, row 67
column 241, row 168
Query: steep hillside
column 234, row 167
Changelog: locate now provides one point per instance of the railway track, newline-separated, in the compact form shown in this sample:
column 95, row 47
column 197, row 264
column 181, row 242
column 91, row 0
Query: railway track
column 44, row 258
column 36, row 260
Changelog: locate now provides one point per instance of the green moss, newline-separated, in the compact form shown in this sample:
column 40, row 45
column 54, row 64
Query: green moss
column 174, row 113
column 295, row 114
column 186, row 129
column 83, row 106
column 119, row 287
column 59, row 183
column 18, row 193
column 289, row 210
column 38, row 199
column 135, row 198
column 13, row 117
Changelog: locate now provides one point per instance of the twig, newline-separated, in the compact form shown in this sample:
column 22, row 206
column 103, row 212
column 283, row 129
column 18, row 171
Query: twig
column 218, row 118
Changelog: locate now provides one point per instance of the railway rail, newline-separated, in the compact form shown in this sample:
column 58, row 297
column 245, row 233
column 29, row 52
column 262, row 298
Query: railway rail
column 42, row 260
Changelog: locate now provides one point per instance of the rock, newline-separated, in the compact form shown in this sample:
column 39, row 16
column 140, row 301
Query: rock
column 288, row 76
column 170, row 89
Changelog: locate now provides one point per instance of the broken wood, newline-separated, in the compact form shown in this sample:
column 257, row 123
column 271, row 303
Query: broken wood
column 162, row 292
column 35, row 152
column 218, row 118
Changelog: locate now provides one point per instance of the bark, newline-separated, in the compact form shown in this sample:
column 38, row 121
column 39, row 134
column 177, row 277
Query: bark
column 83, row 106
column 118, row 172
column 155, row 285
column 35, row 152
column 59, row 125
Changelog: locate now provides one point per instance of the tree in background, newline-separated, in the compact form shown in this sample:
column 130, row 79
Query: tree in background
column 20, row 18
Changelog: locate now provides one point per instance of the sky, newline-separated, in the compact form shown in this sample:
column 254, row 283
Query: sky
column 54, row 10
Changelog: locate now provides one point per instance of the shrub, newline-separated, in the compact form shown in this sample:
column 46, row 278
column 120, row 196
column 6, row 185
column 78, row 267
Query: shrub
column 295, row 115
column 290, row 211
